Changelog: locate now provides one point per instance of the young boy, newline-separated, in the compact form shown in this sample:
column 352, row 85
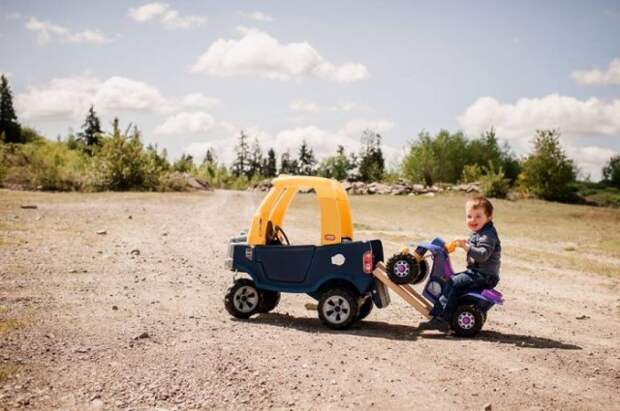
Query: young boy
column 483, row 250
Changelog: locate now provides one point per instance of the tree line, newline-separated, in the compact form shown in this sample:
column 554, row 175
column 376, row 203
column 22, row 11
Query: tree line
column 117, row 160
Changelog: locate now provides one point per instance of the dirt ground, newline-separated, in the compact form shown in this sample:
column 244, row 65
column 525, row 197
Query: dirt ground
column 115, row 301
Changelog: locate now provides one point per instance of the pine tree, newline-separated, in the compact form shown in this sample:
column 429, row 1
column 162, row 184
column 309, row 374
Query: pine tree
column 9, row 126
column 256, row 159
column 287, row 165
column 210, row 157
column 371, row 163
column 269, row 164
column 242, row 151
column 306, row 160
column 90, row 136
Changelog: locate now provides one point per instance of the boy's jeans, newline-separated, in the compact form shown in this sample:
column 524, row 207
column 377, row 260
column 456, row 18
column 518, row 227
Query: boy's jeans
column 458, row 285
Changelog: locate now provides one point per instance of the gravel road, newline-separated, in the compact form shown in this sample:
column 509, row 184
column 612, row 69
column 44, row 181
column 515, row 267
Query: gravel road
column 115, row 301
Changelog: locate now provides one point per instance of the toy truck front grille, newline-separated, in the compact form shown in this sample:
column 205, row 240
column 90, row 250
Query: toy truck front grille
column 238, row 240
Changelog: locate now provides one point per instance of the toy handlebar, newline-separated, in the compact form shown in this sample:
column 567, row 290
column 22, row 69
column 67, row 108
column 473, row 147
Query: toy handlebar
column 451, row 246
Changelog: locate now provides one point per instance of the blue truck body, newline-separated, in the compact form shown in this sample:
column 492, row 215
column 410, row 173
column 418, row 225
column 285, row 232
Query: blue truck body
column 307, row 268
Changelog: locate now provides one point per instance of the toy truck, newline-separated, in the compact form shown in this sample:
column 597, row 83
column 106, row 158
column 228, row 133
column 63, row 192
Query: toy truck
column 346, row 277
column 337, row 273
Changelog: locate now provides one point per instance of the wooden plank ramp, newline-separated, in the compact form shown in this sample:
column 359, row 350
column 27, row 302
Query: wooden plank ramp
column 405, row 291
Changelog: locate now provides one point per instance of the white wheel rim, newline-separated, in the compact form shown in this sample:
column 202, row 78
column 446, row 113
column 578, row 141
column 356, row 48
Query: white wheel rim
column 246, row 299
column 336, row 309
column 466, row 320
column 401, row 268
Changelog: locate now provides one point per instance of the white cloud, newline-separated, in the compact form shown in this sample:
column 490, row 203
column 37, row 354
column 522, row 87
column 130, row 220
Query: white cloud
column 196, row 122
column 311, row 107
column 519, row 121
column 591, row 159
column 70, row 97
column 147, row 11
column 47, row 31
column 259, row 16
column 257, row 53
column 599, row 77
column 199, row 101
column 169, row 18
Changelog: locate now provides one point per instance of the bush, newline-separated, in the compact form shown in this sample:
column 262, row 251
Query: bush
column 471, row 173
column 44, row 165
column 494, row 182
column 547, row 172
column 54, row 167
column 172, row 181
column 122, row 163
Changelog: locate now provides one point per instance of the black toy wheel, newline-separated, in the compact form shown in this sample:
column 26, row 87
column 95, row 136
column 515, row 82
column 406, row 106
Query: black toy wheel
column 467, row 320
column 242, row 299
column 365, row 309
column 403, row 268
column 268, row 300
column 338, row 308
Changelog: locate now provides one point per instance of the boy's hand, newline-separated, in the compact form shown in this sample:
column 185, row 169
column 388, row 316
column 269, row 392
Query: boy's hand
column 462, row 243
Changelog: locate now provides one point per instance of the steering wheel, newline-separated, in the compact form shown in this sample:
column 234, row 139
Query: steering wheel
column 278, row 230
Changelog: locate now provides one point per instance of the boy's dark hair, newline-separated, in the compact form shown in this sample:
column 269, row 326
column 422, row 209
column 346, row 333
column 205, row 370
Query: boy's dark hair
column 481, row 202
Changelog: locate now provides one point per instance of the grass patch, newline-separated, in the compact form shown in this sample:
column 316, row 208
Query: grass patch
column 600, row 194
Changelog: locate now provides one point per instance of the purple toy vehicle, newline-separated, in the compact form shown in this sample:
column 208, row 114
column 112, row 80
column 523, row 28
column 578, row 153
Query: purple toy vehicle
column 472, row 308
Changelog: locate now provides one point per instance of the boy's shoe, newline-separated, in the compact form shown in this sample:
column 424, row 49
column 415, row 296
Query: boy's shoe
column 435, row 323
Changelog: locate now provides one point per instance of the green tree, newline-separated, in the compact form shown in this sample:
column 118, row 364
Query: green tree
column 240, row 166
column 91, row 131
column 210, row 157
column 306, row 160
column 338, row 166
column 484, row 149
column 255, row 162
column 288, row 165
column 611, row 171
column 547, row 171
column 371, row 161
column 436, row 159
column 9, row 126
column 122, row 163
column 269, row 168
column 159, row 162
column 185, row 164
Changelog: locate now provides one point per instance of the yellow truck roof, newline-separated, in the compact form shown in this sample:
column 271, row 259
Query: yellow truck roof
column 336, row 222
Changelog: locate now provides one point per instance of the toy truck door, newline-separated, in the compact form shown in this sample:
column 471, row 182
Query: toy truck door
column 288, row 264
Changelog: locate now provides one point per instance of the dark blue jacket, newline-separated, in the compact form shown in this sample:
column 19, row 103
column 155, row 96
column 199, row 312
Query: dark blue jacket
column 485, row 251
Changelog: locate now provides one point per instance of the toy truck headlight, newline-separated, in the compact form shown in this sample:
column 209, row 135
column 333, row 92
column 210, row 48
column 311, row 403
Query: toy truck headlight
column 367, row 262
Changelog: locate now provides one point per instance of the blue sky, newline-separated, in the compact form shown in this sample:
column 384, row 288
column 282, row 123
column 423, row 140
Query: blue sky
column 192, row 74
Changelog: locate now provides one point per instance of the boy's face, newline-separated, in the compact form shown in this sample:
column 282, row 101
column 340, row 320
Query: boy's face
column 475, row 218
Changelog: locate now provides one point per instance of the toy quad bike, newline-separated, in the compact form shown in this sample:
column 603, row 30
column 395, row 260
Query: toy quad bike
column 337, row 272
column 412, row 267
